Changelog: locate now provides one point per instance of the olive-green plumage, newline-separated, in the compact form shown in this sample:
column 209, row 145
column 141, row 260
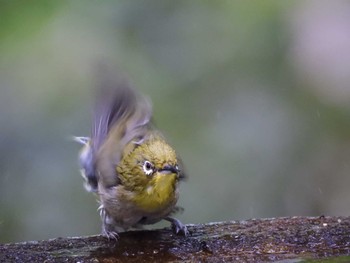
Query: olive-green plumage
column 127, row 162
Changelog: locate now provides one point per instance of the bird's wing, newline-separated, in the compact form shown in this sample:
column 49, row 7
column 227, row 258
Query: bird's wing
column 121, row 115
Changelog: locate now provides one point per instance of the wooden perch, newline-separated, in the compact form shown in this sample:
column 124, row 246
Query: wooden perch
column 253, row 240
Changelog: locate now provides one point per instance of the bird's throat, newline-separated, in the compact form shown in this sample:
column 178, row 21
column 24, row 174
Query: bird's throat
column 158, row 195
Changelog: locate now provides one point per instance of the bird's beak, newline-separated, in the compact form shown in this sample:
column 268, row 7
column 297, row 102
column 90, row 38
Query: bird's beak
column 167, row 169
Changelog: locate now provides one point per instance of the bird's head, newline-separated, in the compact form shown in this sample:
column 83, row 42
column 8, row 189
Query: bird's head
column 151, row 171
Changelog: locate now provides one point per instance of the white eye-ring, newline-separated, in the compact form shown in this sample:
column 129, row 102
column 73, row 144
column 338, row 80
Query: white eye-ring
column 148, row 168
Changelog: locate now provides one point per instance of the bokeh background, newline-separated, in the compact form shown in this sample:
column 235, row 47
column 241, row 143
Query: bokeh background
column 254, row 95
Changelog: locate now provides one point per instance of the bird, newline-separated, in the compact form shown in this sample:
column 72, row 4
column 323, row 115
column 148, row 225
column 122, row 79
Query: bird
column 127, row 162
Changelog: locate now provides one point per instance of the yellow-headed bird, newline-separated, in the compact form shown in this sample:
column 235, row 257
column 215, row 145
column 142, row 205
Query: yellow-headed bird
column 127, row 162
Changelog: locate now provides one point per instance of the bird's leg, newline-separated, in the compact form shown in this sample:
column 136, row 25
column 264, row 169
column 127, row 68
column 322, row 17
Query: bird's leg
column 177, row 226
column 108, row 230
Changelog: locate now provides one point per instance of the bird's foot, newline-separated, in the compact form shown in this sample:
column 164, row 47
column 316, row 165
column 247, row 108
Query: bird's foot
column 177, row 226
column 111, row 235
column 108, row 230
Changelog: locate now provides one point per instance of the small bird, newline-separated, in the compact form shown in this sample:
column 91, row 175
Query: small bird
column 127, row 162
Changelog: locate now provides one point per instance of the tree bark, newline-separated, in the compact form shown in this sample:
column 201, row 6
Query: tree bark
column 253, row 240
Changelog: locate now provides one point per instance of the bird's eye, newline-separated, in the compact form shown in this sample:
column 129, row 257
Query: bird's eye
column 148, row 168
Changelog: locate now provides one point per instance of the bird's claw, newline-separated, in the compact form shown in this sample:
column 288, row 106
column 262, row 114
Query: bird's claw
column 111, row 235
column 177, row 227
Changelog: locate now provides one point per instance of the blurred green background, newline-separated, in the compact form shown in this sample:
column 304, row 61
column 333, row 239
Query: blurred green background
column 254, row 95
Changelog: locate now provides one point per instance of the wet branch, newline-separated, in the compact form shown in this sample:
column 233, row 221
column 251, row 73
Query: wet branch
column 251, row 240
